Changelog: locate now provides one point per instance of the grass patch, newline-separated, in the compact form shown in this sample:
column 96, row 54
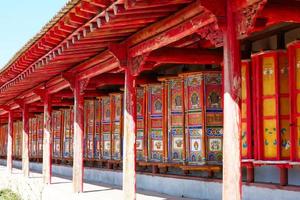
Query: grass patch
column 8, row 194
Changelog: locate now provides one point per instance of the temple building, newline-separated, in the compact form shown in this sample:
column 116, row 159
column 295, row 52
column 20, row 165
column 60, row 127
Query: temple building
column 193, row 98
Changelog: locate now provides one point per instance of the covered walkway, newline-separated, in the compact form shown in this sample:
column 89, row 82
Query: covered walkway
column 61, row 188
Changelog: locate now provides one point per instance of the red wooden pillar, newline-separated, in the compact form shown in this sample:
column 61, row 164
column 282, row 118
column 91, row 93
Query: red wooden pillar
column 232, row 118
column 25, row 145
column 78, row 138
column 129, row 179
column 47, row 140
column 10, row 141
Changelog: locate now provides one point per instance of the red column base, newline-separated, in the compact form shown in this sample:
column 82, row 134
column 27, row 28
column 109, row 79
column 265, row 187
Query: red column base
column 250, row 174
column 283, row 176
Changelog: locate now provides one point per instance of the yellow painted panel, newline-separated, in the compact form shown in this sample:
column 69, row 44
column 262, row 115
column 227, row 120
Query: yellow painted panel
column 298, row 68
column 244, row 139
column 284, row 106
column 244, row 82
column 283, row 75
column 269, row 107
column 244, row 110
column 298, row 137
column 285, row 138
column 270, row 138
column 268, row 72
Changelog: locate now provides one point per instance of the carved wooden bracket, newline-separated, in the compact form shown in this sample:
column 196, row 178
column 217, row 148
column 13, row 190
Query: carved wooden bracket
column 71, row 79
column 120, row 52
column 20, row 103
column 41, row 93
column 247, row 16
column 5, row 107
column 134, row 65
column 83, row 85
column 213, row 33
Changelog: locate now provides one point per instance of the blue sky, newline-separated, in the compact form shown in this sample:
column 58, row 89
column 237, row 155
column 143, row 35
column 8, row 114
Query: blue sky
column 20, row 20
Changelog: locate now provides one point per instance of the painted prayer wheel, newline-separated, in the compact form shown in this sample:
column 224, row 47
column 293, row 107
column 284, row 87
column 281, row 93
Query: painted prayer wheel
column 106, row 127
column 17, row 139
column 67, row 133
column 30, row 146
column 89, row 128
column 156, row 124
column 57, row 133
column 175, row 98
column 272, row 105
column 195, row 117
column 213, row 98
column 34, row 137
column 97, row 141
column 294, row 77
column 141, row 146
column 3, row 138
column 40, row 132
column 116, row 125
column 246, row 111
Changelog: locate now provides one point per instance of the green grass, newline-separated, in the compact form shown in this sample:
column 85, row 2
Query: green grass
column 7, row 194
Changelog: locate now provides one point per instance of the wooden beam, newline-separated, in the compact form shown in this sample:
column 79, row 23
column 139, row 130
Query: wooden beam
column 99, row 69
column 106, row 79
column 281, row 12
column 186, row 56
column 178, row 32
column 137, row 4
column 10, row 141
column 165, row 24
column 232, row 119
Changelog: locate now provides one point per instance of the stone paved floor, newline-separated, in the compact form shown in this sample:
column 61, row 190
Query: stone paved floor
column 61, row 189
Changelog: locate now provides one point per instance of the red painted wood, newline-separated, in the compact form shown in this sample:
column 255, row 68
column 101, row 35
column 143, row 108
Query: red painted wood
column 129, row 154
column 249, row 111
column 250, row 174
column 180, row 31
column 294, row 92
column 283, row 176
column 10, row 141
column 137, row 4
column 281, row 12
column 186, row 56
column 232, row 119
column 78, row 138
column 25, row 145
column 47, row 142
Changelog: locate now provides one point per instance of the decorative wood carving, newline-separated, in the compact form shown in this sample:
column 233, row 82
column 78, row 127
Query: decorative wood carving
column 213, row 33
column 247, row 16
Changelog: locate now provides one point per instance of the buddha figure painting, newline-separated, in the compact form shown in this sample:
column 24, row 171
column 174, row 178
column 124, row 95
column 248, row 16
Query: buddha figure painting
column 139, row 109
column 195, row 100
column 196, row 145
column 214, row 100
column 107, row 145
column 117, row 146
column 157, row 145
column 107, row 114
column 178, row 143
column 139, row 145
column 178, row 102
column 215, row 144
column 158, row 106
